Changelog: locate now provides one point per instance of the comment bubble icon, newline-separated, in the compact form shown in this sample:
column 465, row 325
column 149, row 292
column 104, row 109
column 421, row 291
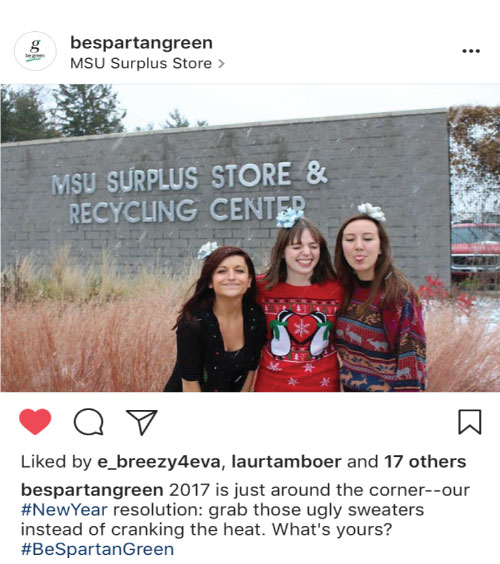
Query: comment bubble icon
column 89, row 422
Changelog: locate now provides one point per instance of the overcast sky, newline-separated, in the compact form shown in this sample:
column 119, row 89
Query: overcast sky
column 228, row 104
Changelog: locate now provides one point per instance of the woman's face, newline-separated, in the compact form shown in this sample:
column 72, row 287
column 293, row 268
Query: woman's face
column 301, row 258
column 231, row 278
column 361, row 246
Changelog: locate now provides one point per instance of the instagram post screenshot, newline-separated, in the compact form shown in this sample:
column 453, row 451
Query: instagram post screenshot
column 268, row 202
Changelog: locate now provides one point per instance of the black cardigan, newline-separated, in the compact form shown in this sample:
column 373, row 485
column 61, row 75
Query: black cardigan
column 200, row 350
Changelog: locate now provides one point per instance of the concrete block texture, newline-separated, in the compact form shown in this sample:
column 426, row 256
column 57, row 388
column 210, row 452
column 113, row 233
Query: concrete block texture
column 136, row 194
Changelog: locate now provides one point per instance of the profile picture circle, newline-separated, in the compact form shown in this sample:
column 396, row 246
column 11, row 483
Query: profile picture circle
column 35, row 50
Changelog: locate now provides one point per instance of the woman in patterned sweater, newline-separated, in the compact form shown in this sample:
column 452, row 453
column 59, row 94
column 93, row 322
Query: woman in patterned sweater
column 380, row 333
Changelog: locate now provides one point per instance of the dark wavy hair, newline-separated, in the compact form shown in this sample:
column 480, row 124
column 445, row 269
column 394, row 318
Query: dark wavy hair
column 276, row 270
column 203, row 296
column 388, row 278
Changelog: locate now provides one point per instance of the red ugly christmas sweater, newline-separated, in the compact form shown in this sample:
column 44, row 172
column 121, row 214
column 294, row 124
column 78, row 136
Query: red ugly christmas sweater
column 299, row 355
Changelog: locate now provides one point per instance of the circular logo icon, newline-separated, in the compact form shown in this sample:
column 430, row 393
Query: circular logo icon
column 35, row 50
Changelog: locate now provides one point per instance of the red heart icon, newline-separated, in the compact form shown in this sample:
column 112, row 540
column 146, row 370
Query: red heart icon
column 301, row 327
column 34, row 421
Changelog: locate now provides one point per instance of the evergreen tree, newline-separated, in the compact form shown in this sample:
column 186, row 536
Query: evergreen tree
column 23, row 115
column 88, row 109
column 7, row 114
column 178, row 120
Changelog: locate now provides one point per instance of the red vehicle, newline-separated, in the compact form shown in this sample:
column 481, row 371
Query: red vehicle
column 475, row 250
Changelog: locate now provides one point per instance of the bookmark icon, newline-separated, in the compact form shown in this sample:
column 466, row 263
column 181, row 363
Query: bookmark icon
column 144, row 417
column 470, row 419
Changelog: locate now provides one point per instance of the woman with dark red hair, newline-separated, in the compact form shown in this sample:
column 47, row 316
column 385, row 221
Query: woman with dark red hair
column 220, row 329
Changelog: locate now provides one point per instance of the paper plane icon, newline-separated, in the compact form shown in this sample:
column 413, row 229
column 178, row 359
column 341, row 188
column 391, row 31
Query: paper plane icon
column 143, row 417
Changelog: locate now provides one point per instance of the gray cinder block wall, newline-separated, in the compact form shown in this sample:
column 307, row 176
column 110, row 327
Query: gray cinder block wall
column 153, row 198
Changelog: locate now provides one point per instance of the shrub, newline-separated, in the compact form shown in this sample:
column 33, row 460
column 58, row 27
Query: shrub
column 463, row 352
column 114, row 334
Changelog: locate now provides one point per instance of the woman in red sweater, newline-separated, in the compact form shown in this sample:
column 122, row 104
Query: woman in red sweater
column 300, row 296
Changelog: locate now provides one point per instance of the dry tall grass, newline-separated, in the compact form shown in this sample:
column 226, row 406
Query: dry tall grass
column 128, row 345
column 25, row 282
column 94, row 330
column 463, row 352
column 60, row 346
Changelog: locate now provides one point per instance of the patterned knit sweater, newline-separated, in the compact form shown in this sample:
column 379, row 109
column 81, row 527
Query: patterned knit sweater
column 383, row 350
column 300, row 355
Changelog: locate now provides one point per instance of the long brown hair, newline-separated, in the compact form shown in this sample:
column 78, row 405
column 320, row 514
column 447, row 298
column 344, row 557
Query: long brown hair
column 388, row 279
column 203, row 296
column 276, row 270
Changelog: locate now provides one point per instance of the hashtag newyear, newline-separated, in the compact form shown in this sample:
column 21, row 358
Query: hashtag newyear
column 73, row 509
